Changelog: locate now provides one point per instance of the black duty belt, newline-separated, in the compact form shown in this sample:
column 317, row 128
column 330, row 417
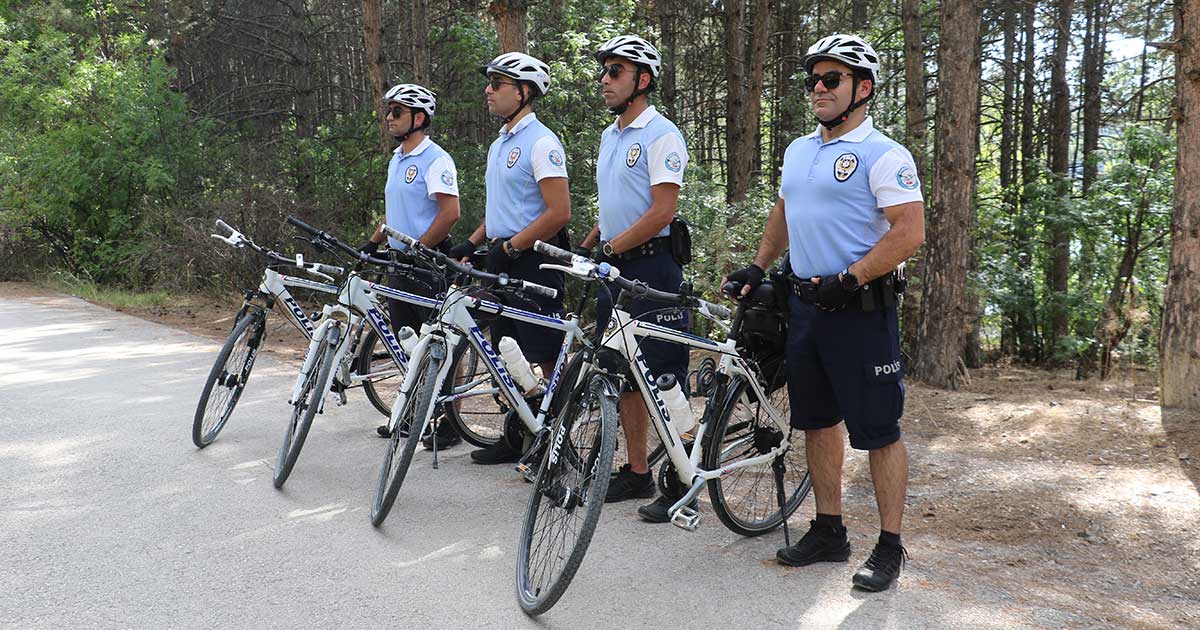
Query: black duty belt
column 881, row 290
column 651, row 247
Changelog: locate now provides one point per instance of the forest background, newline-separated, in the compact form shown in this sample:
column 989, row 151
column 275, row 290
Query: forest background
column 1051, row 138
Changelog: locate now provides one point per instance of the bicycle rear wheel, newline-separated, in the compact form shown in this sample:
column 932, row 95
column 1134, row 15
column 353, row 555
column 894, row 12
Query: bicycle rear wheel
column 746, row 499
column 380, row 373
column 568, row 495
column 411, row 417
column 307, row 404
column 227, row 379
column 479, row 414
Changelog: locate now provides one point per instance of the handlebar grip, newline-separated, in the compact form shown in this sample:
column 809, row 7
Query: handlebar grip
column 552, row 251
column 718, row 310
column 537, row 289
column 225, row 226
column 400, row 236
column 732, row 288
column 302, row 225
column 330, row 269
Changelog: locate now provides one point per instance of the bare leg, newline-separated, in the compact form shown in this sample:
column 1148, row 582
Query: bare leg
column 889, row 473
column 825, row 450
column 635, row 422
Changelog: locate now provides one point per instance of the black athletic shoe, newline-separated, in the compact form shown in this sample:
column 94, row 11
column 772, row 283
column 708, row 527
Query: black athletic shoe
column 627, row 484
column 498, row 453
column 659, row 510
column 880, row 571
column 821, row 544
column 447, row 437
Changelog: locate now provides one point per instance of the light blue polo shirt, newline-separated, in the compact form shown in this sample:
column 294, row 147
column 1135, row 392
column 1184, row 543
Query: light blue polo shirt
column 649, row 151
column 834, row 194
column 413, row 181
column 517, row 161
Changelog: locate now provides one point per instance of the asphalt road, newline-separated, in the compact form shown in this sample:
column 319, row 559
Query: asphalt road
column 111, row 518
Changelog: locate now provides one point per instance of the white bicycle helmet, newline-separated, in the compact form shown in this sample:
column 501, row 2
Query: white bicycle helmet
column 633, row 48
column 412, row 96
column 851, row 50
column 521, row 67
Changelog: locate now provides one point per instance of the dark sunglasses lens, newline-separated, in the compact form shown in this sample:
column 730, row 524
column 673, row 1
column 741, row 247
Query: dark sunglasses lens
column 395, row 112
column 830, row 79
column 497, row 83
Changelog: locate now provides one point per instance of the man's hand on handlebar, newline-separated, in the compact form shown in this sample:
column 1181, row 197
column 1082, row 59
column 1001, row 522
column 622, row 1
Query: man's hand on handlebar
column 748, row 278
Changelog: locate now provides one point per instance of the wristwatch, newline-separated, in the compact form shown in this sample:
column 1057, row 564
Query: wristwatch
column 509, row 249
column 607, row 248
column 849, row 281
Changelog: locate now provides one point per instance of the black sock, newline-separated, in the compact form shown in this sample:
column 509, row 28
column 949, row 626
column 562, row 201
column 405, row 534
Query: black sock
column 832, row 521
column 888, row 538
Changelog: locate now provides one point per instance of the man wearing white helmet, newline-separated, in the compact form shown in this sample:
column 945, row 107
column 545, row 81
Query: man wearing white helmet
column 851, row 211
column 420, row 199
column 638, row 176
column 527, row 201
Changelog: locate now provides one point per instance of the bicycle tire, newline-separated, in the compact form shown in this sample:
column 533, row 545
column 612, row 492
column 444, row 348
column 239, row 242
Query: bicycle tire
column 306, row 405
column 752, row 510
column 223, row 387
column 370, row 358
column 478, row 419
column 556, row 496
column 413, row 413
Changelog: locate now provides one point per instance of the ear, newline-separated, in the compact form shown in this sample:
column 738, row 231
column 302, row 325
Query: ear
column 423, row 118
column 644, row 79
column 865, row 87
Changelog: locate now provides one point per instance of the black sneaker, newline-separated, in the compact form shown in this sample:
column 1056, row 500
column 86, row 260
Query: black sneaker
column 672, row 491
column 498, row 453
column 880, row 571
column 820, row 544
column 629, row 485
column 447, row 437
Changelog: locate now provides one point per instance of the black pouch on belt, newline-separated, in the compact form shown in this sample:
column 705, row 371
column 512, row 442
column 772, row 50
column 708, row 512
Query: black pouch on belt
column 681, row 240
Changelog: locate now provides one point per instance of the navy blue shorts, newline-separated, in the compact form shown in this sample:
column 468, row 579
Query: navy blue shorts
column 661, row 272
column 846, row 365
column 538, row 343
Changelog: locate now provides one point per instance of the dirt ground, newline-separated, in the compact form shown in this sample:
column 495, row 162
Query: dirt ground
column 1081, row 497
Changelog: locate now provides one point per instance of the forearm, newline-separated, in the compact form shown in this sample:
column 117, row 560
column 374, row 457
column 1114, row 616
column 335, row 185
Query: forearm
column 480, row 233
column 442, row 223
column 895, row 247
column 775, row 238
column 589, row 241
column 544, row 228
column 644, row 229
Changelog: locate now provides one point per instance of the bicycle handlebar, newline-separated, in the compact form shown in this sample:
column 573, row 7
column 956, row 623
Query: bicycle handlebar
column 237, row 239
column 589, row 269
column 523, row 286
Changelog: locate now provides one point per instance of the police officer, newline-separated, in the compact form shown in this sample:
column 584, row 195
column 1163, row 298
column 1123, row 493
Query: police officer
column 638, row 177
column 527, row 201
column 420, row 199
column 850, row 207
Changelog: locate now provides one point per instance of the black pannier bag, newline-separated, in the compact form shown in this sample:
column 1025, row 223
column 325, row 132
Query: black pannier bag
column 763, row 334
column 681, row 240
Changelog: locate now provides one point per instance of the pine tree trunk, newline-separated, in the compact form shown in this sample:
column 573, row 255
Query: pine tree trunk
column 1180, row 350
column 418, row 35
column 914, row 139
column 1026, row 324
column 510, row 24
column 373, row 45
column 735, row 98
column 946, row 306
column 666, row 11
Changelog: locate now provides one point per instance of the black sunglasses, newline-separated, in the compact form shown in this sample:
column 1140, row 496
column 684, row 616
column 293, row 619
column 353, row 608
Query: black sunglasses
column 613, row 71
column 396, row 112
column 831, row 79
column 497, row 82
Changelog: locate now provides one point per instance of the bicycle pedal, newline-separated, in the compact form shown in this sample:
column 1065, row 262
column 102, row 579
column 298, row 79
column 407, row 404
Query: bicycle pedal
column 526, row 471
column 686, row 518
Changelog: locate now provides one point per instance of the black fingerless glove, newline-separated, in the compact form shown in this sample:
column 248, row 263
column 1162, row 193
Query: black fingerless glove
column 832, row 294
column 369, row 248
column 751, row 275
column 583, row 251
column 462, row 250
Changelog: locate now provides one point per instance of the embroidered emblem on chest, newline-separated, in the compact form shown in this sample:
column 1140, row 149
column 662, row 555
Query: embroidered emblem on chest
column 513, row 156
column 410, row 174
column 844, row 166
column 635, row 152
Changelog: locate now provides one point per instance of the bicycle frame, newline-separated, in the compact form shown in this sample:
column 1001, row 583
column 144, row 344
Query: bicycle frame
column 275, row 285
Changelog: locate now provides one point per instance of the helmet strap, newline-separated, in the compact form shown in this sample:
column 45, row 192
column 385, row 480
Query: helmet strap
column 412, row 127
column 637, row 79
column 844, row 116
column 520, row 106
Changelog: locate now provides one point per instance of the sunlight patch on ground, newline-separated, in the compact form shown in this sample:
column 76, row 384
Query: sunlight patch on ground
column 51, row 453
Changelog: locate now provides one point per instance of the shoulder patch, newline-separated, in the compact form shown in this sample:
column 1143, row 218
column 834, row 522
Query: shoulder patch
column 410, row 174
column 907, row 178
column 632, row 156
column 673, row 163
column 513, row 156
column 556, row 157
column 844, row 166
column 448, row 177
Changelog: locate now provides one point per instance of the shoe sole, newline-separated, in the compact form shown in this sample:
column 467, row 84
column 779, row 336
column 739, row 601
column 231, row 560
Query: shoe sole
column 870, row 588
column 840, row 555
column 655, row 518
column 643, row 495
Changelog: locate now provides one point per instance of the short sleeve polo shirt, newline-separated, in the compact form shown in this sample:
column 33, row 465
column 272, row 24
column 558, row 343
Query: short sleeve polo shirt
column 834, row 193
column 647, row 152
column 517, row 160
column 414, row 179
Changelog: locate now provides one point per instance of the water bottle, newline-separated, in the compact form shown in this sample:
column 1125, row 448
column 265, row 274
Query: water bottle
column 407, row 339
column 682, row 417
column 518, row 366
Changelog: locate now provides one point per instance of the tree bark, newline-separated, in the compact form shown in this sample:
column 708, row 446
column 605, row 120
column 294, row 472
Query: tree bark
column 1060, row 155
column 376, row 64
column 1093, row 84
column 510, row 24
column 666, row 11
column 735, row 97
column 1026, row 320
column 914, row 139
column 946, row 307
column 1180, row 346
column 418, row 35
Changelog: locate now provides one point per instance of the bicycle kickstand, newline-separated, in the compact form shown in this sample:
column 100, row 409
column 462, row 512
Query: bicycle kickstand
column 777, row 467
column 435, row 444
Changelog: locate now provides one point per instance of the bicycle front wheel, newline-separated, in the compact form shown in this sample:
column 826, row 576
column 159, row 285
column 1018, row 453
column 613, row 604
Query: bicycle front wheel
column 307, row 404
column 476, row 407
column 228, row 376
column 747, row 499
column 568, row 495
column 414, row 411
